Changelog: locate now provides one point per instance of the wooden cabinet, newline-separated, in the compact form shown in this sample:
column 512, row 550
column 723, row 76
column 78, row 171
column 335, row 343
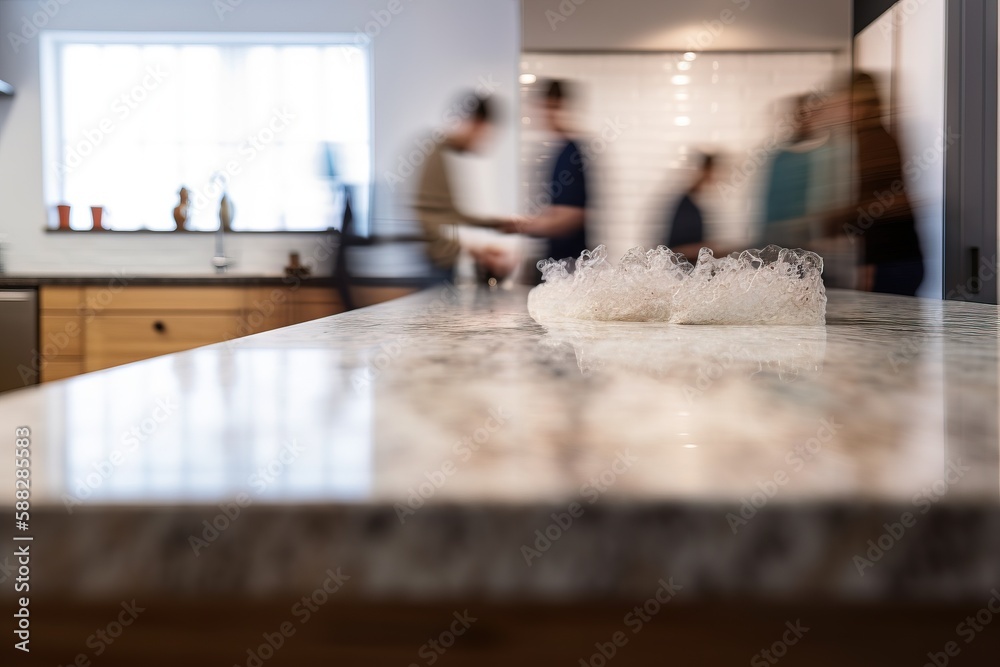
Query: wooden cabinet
column 91, row 328
column 60, row 332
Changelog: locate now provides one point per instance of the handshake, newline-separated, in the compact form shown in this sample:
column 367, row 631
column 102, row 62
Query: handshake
column 517, row 224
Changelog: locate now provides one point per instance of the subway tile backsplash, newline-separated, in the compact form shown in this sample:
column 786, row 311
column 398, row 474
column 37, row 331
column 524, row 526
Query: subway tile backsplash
column 671, row 108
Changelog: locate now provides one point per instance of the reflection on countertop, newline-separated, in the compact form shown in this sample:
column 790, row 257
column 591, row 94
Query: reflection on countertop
column 452, row 410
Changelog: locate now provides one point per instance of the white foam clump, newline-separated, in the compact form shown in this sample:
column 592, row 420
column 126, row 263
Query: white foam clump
column 770, row 286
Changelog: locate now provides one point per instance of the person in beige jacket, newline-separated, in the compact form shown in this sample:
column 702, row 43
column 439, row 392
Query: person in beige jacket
column 434, row 202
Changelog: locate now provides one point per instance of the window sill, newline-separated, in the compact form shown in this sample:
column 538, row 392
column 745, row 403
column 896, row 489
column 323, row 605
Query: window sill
column 185, row 232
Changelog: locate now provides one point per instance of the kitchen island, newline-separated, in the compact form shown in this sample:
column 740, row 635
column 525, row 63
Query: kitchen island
column 445, row 448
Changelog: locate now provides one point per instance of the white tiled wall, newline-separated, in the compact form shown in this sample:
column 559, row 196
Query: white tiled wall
column 730, row 104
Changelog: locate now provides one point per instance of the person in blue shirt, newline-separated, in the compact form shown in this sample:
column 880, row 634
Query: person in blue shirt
column 686, row 234
column 563, row 221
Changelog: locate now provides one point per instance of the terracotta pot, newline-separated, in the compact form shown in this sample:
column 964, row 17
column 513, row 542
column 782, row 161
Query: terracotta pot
column 63, row 217
column 98, row 213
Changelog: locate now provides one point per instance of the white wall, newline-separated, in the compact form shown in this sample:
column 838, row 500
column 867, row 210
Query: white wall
column 906, row 47
column 687, row 25
column 423, row 56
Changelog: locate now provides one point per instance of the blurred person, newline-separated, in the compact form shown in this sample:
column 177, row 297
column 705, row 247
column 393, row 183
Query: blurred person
column 563, row 222
column 790, row 199
column 493, row 264
column 831, row 187
column 434, row 202
column 686, row 231
column 892, row 260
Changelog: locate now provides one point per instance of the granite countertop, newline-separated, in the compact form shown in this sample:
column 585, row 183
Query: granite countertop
column 429, row 445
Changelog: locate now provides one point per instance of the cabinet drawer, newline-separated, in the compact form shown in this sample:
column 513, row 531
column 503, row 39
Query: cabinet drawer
column 61, row 369
column 304, row 312
column 316, row 295
column 60, row 298
column 135, row 337
column 61, row 336
column 213, row 299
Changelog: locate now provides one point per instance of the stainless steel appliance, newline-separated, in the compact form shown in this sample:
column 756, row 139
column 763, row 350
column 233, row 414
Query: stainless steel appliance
column 18, row 338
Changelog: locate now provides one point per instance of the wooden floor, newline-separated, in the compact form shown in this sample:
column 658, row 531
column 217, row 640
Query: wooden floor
column 220, row 632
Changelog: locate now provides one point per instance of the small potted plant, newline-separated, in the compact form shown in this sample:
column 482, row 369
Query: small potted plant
column 64, row 211
column 97, row 212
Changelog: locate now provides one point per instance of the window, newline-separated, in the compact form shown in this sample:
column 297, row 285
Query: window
column 280, row 123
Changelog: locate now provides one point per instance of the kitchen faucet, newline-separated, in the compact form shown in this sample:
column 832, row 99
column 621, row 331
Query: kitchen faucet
column 220, row 261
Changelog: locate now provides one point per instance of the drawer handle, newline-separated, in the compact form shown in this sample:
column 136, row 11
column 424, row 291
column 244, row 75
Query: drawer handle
column 159, row 326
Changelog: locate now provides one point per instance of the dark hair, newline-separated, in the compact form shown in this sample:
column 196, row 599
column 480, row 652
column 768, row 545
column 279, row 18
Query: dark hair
column 706, row 162
column 482, row 111
column 477, row 108
column 864, row 83
column 557, row 90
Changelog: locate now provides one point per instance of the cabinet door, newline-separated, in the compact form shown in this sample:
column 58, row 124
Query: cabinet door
column 61, row 368
column 312, row 303
column 61, row 335
column 120, row 339
column 104, row 300
column 60, row 331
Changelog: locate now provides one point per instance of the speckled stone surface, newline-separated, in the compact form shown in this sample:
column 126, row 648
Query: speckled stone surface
column 421, row 444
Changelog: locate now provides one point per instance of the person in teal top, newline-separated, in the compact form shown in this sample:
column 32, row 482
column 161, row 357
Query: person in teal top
column 790, row 200
column 788, row 191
